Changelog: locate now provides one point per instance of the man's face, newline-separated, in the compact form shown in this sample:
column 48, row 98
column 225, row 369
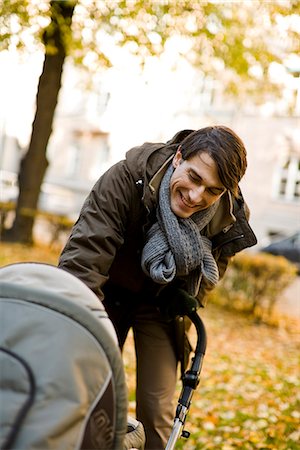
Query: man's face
column 195, row 184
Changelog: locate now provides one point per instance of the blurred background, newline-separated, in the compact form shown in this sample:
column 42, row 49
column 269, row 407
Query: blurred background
column 83, row 81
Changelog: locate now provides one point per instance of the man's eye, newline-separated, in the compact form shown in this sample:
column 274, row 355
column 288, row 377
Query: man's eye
column 214, row 191
column 193, row 178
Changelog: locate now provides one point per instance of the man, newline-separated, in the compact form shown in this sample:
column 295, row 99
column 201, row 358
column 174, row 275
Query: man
column 153, row 237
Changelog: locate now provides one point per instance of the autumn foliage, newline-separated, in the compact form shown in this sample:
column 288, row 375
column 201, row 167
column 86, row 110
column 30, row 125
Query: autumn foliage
column 254, row 282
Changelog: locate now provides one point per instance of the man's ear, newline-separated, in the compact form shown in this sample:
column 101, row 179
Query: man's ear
column 177, row 158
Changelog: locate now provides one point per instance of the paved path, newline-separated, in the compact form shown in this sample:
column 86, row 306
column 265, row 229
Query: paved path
column 289, row 303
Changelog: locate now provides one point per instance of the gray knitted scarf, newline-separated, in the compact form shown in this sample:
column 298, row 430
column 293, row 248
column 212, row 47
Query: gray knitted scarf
column 175, row 246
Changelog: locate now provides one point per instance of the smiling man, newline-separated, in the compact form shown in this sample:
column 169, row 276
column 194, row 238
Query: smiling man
column 153, row 237
column 195, row 184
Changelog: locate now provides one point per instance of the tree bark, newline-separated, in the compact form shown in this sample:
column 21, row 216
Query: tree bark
column 34, row 164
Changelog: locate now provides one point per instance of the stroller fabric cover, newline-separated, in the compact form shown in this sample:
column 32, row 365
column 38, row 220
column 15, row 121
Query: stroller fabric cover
column 62, row 378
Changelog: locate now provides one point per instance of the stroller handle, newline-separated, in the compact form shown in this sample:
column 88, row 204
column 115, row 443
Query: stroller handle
column 190, row 381
column 201, row 333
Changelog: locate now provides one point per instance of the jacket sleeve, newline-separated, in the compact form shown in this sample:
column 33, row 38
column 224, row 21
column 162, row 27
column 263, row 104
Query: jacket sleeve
column 100, row 228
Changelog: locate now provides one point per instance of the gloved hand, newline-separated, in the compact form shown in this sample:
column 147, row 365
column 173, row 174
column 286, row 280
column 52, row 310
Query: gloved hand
column 174, row 301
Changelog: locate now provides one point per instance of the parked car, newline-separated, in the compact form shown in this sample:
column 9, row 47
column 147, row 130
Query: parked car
column 288, row 247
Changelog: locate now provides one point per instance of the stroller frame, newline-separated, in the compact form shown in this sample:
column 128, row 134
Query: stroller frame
column 190, row 381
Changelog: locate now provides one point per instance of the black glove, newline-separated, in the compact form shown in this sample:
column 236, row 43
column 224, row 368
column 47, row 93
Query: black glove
column 173, row 301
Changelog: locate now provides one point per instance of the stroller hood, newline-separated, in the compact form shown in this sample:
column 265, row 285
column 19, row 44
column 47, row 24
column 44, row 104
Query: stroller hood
column 62, row 379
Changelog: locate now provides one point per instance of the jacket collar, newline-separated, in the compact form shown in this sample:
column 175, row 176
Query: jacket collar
column 224, row 217
column 155, row 181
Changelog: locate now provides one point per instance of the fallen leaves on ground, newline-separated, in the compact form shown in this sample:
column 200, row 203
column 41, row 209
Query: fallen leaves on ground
column 11, row 253
column 248, row 396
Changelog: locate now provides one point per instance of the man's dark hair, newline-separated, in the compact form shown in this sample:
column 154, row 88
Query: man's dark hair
column 224, row 147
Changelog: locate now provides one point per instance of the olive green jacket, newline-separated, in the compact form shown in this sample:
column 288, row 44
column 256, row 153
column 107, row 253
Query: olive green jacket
column 107, row 239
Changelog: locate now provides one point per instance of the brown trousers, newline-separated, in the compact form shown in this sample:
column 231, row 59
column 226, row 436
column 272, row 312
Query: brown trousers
column 156, row 362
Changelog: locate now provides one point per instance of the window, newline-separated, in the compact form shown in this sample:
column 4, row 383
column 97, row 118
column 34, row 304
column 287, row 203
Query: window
column 287, row 179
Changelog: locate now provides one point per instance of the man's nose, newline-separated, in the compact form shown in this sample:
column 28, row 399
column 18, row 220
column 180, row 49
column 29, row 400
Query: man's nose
column 197, row 194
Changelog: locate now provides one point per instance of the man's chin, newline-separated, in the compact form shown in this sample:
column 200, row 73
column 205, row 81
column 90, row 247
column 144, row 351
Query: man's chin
column 182, row 214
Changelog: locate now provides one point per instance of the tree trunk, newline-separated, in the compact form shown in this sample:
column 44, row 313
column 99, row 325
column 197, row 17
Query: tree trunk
column 34, row 164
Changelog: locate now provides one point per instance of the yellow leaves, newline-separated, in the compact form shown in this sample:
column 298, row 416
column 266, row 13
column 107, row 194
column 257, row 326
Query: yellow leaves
column 248, row 395
column 260, row 262
column 295, row 436
column 254, row 282
column 11, row 253
column 208, row 425
column 254, row 425
column 228, row 447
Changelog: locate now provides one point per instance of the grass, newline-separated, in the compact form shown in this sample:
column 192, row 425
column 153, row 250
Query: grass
column 249, row 392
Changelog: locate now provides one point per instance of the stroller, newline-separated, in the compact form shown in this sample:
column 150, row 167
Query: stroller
column 62, row 381
column 62, row 377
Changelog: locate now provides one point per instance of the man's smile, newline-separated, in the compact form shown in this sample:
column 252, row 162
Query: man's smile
column 195, row 184
column 186, row 203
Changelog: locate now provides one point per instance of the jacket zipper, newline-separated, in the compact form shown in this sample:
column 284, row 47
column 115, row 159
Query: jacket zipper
column 241, row 236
